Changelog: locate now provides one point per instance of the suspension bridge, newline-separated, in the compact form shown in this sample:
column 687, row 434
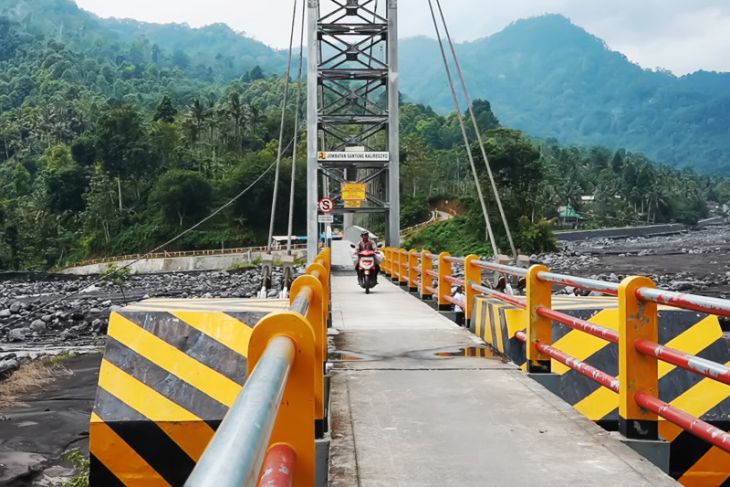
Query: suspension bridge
column 327, row 386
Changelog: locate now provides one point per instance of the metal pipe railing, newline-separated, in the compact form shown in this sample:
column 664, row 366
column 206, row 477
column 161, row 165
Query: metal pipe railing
column 236, row 452
column 279, row 467
column 578, row 324
column 711, row 434
column 597, row 375
column 579, row 282
column 703, row 304
column 698, row 365
column 499, row 295
column 501, row 268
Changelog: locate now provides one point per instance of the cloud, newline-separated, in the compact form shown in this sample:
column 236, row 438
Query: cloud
column 681, row 35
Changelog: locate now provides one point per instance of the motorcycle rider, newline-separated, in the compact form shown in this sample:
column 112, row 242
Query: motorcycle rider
column 365, row 244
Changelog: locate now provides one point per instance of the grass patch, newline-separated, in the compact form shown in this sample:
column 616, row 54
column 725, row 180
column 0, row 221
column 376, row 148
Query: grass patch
column 81, row 465
column 246, row 265
column 28, row 378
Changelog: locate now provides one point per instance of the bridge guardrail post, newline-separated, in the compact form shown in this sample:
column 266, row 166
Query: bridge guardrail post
column 637, row 372
column 316, row 318
column 385, row 266
column 403, row 275
column 472, row 275
column 395, row 274
column 297, row 411
column 444, row 289
column 426, row 278
column 319, row 272
column 539, row 329
column 412, row 271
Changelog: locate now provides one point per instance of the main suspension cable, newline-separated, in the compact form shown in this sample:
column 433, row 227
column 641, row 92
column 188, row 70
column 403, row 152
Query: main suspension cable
column 281, row 129
column 296, row 134
column 459, row 115
column 470, row 106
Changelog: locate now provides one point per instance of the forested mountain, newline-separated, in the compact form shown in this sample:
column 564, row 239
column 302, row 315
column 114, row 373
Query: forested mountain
column 551, row 78
column 109, row 145
column 543, row 75
column 212, row 53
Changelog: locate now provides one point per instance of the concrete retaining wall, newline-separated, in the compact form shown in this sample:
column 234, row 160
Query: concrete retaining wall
column 180, row 264
column 574, row 236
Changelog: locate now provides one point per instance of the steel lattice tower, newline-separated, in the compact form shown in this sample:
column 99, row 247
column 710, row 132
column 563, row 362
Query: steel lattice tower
column 352, row 109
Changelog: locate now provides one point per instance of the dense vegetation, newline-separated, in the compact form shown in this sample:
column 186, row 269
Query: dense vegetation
column 551, row 78
column 112, row 144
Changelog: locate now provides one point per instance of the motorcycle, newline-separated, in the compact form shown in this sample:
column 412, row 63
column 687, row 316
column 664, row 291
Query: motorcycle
column 367, row 269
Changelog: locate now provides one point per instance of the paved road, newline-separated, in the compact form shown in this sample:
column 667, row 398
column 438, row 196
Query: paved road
column 405, row 415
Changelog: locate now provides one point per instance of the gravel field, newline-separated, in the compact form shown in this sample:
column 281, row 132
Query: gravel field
column 695, row 261
column 33, row 324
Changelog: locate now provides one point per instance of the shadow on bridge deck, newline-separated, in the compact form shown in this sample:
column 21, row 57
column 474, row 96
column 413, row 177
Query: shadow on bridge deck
column 406, row 416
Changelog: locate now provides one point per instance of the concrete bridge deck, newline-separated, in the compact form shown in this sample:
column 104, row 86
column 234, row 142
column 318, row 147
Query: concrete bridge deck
column 403, row 414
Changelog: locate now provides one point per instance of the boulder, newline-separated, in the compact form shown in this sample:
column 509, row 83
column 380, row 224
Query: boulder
column 18, row 334
column 38, row 326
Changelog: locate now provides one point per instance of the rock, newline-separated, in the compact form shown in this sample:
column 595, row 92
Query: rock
column 5, row 313
column 47, row 318
column 8, row 366
column 38, row 326
column 15, row 307
column 18, row 334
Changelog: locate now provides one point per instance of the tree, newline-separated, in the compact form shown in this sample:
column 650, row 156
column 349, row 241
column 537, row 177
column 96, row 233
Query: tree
column 100, row 218
column 181, row 195
column 165, row 111
column 121, row 144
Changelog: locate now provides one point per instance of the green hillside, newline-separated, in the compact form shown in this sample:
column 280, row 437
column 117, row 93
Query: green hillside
column 212, row 53
column 108, row 148
column 551, row 78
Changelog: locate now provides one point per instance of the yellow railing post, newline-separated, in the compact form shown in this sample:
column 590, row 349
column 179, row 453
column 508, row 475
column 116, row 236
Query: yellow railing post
column 386, row 262
column 294, row 423
column 444, row 288
column 315, row 317
column 426, row 278
column 412, row 271
column 472, row 275
column 403, row 273
column 395, row 274
column 539, row 294
column 318, row 271
column 637, row 372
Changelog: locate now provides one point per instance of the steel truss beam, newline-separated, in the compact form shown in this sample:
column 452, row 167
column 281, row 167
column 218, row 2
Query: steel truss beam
column 353, row 103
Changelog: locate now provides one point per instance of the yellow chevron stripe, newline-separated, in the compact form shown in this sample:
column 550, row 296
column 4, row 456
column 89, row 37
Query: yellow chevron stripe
column 221, row 327
column 712, row 469
column 488, row 324
column 153, row 348
column 140, row 396
column 121, row 459
column 701, row 398
column 499, row 343
column 582, row 345
column 478, row 317
column 190, row 432
column 696, row 338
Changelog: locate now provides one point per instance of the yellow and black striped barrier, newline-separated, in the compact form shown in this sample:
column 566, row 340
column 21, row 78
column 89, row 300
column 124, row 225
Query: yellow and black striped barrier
column 692, row 461
column 171, row 370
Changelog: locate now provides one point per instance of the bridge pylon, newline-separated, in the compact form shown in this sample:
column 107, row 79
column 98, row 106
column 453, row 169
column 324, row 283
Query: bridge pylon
column 353, row 112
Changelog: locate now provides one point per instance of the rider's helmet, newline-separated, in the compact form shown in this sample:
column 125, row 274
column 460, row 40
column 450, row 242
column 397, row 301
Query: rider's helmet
column 365, row 234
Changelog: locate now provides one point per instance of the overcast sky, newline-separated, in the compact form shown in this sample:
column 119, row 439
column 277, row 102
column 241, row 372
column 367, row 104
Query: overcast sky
column 680, row 35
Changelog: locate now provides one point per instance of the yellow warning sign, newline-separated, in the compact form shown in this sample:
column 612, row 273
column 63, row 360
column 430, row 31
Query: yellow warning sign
column 353, row 204
column 354, row 191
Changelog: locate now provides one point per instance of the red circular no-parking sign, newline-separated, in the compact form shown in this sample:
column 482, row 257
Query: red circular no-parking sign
column 326, row 205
